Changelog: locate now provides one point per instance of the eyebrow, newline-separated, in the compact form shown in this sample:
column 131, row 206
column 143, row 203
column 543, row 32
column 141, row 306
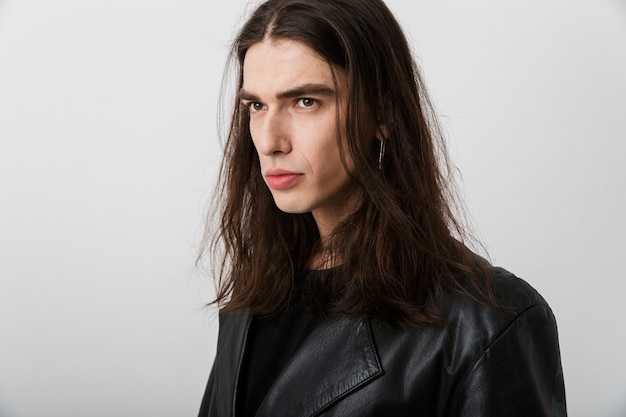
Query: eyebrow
column 304, row 90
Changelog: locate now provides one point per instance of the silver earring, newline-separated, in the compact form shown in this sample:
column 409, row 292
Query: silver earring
column 381, row 154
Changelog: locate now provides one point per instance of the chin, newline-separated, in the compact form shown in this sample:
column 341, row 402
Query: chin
column 291, row 207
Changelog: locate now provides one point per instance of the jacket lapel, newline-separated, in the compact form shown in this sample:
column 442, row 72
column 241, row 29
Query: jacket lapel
column 336, row 359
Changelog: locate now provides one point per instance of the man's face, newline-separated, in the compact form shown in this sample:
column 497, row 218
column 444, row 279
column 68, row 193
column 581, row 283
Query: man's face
column 292, row 99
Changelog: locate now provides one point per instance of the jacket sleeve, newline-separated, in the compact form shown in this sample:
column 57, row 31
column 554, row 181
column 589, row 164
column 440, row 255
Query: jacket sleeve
column 519, row 374
column 207, row 399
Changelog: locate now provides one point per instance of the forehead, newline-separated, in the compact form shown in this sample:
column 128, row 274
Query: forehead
column 271, row 66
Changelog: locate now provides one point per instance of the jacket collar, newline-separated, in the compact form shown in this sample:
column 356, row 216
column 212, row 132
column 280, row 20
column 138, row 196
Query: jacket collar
column 336, row 359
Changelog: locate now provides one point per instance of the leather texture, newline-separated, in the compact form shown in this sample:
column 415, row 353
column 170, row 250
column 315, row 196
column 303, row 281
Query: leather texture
column 482, row 362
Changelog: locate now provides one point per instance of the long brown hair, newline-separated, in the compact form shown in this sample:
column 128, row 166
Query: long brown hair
column 403, row 245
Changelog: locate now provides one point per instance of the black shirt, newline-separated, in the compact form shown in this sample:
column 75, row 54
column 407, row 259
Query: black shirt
column 271, row 343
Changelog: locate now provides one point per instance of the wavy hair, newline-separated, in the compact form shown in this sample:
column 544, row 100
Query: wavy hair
column 402, row 246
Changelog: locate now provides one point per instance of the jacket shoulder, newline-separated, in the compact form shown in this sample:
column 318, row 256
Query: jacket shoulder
column 513, row 294
column 484, row 321
column 511, row 362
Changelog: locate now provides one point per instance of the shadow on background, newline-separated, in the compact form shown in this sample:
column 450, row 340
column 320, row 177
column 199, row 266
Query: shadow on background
column 621, row 410
column 5, row 411
column 621, row 4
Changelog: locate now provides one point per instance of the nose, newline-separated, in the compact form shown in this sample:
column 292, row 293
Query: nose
column 270, row 132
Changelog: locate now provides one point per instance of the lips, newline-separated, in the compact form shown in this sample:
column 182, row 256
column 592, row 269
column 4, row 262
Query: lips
column 278, row 179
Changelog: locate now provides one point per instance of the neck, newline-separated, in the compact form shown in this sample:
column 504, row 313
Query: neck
column 323, row 259
column 325, row 255
column 327, row 221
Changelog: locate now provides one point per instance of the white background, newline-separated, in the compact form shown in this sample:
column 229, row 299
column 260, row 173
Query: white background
column 108, row 153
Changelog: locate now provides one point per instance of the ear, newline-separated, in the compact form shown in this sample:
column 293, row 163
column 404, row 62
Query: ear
column 385, row 122
column 382, row 132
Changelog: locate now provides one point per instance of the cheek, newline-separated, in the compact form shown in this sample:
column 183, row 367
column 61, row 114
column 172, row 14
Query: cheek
column 324, row 154
column 330, row 166
column 252, row 129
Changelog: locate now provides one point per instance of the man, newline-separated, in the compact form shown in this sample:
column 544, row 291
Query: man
column 345, row 288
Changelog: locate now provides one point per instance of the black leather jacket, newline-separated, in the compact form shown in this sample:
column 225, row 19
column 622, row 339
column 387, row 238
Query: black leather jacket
column 483, row 362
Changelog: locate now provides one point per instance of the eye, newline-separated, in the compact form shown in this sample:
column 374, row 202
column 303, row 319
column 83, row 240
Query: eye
column 307, row 102
column 254, row 106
